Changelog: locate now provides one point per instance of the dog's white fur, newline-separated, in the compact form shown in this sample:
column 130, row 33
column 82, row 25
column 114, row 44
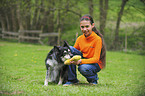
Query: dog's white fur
column 52, row 73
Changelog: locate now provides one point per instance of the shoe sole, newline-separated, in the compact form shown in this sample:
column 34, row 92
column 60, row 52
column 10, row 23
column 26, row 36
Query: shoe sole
column 70, row 84
column 93, row 84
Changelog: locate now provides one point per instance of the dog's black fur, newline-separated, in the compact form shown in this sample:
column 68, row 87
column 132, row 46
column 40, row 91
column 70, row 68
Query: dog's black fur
column 56, row 70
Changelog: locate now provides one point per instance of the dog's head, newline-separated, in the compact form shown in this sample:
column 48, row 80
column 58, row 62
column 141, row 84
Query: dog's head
column 62, row 53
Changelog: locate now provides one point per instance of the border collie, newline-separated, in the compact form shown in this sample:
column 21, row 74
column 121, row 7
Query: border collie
column 56, row 70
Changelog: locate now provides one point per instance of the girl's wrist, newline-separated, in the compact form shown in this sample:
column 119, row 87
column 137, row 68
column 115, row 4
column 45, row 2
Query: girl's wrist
column 80, row 61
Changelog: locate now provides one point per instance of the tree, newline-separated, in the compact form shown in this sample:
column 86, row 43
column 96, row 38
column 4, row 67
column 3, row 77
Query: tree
column 14, row 19
column 19, row 16
column 91, row 9
column 116, row 40
column 103, row 15
column 2, row 15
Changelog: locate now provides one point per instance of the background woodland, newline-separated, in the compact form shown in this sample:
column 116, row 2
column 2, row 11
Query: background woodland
column 122, row 22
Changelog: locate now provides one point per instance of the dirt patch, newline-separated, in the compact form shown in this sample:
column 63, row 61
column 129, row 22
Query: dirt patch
column 2, row 44
column 11, row 93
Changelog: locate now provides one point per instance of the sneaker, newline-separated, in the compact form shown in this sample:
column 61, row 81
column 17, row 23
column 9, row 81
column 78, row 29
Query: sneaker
column 69, row 83
column 94, row 83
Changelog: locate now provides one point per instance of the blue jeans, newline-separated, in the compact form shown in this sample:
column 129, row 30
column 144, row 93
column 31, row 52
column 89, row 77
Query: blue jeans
column 87, row 70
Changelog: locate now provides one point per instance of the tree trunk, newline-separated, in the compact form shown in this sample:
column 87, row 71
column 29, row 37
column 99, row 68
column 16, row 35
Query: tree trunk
column 91, row 9
column 103, row 15
column 19, row 17
column 8, row 22
column 44, row 19
column 3, row 22
column 28, row 15
column 51, row 16
column 116, row 40
column 39, row 22
column 125, row 42
column 14, row 20
column 34, row 20
column 59, row 27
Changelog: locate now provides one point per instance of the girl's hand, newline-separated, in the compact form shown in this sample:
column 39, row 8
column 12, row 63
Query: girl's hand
column 76, row 62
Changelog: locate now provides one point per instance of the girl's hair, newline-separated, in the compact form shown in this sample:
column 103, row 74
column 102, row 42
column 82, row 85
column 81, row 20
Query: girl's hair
column 103, row 50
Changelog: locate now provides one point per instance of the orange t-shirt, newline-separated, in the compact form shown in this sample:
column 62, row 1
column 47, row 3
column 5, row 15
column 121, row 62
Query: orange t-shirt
column 90, row 47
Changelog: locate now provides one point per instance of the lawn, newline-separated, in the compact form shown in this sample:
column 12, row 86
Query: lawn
column 22, row 72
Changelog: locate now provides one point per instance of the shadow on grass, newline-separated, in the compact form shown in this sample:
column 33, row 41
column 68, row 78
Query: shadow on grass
column 83, row 84
column 98, row 85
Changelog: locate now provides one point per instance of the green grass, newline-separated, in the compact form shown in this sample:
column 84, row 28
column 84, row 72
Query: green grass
column 22, row 72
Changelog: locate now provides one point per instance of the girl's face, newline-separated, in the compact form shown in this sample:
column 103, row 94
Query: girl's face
column 86, row 27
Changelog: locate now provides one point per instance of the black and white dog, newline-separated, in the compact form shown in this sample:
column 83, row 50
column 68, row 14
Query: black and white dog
column 56, row 70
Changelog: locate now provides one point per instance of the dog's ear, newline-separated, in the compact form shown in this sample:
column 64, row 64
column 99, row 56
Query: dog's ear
column 56, row 48
column 66, row 44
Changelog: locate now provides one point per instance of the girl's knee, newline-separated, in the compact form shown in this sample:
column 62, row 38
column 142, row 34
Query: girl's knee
column 83, row 69
column 71, row 47
column 74, row 51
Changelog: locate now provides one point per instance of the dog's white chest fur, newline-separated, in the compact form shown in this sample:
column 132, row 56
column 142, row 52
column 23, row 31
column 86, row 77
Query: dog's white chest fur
column 52, row 62
column 56, row 70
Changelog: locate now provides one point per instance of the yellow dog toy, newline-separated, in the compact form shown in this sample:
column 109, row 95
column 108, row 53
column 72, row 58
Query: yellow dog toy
column 74, row 58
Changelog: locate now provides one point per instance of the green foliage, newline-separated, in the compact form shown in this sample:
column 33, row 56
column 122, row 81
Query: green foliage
column 135, row 38
column 132, row 19
column 22, row 71
column 70, row 36
column 44, row 15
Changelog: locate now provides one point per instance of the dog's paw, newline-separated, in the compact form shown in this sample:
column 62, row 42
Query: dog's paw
column 45, row 84
column 59, row 83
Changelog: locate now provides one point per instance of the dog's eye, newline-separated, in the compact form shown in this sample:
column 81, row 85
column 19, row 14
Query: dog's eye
column 64, row 51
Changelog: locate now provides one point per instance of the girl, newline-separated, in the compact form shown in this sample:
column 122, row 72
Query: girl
column 91, row 47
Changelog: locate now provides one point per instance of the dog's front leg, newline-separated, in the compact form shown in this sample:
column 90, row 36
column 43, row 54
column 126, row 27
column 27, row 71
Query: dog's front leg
column 60, row 80
column 46, row 78
column 61, row 77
